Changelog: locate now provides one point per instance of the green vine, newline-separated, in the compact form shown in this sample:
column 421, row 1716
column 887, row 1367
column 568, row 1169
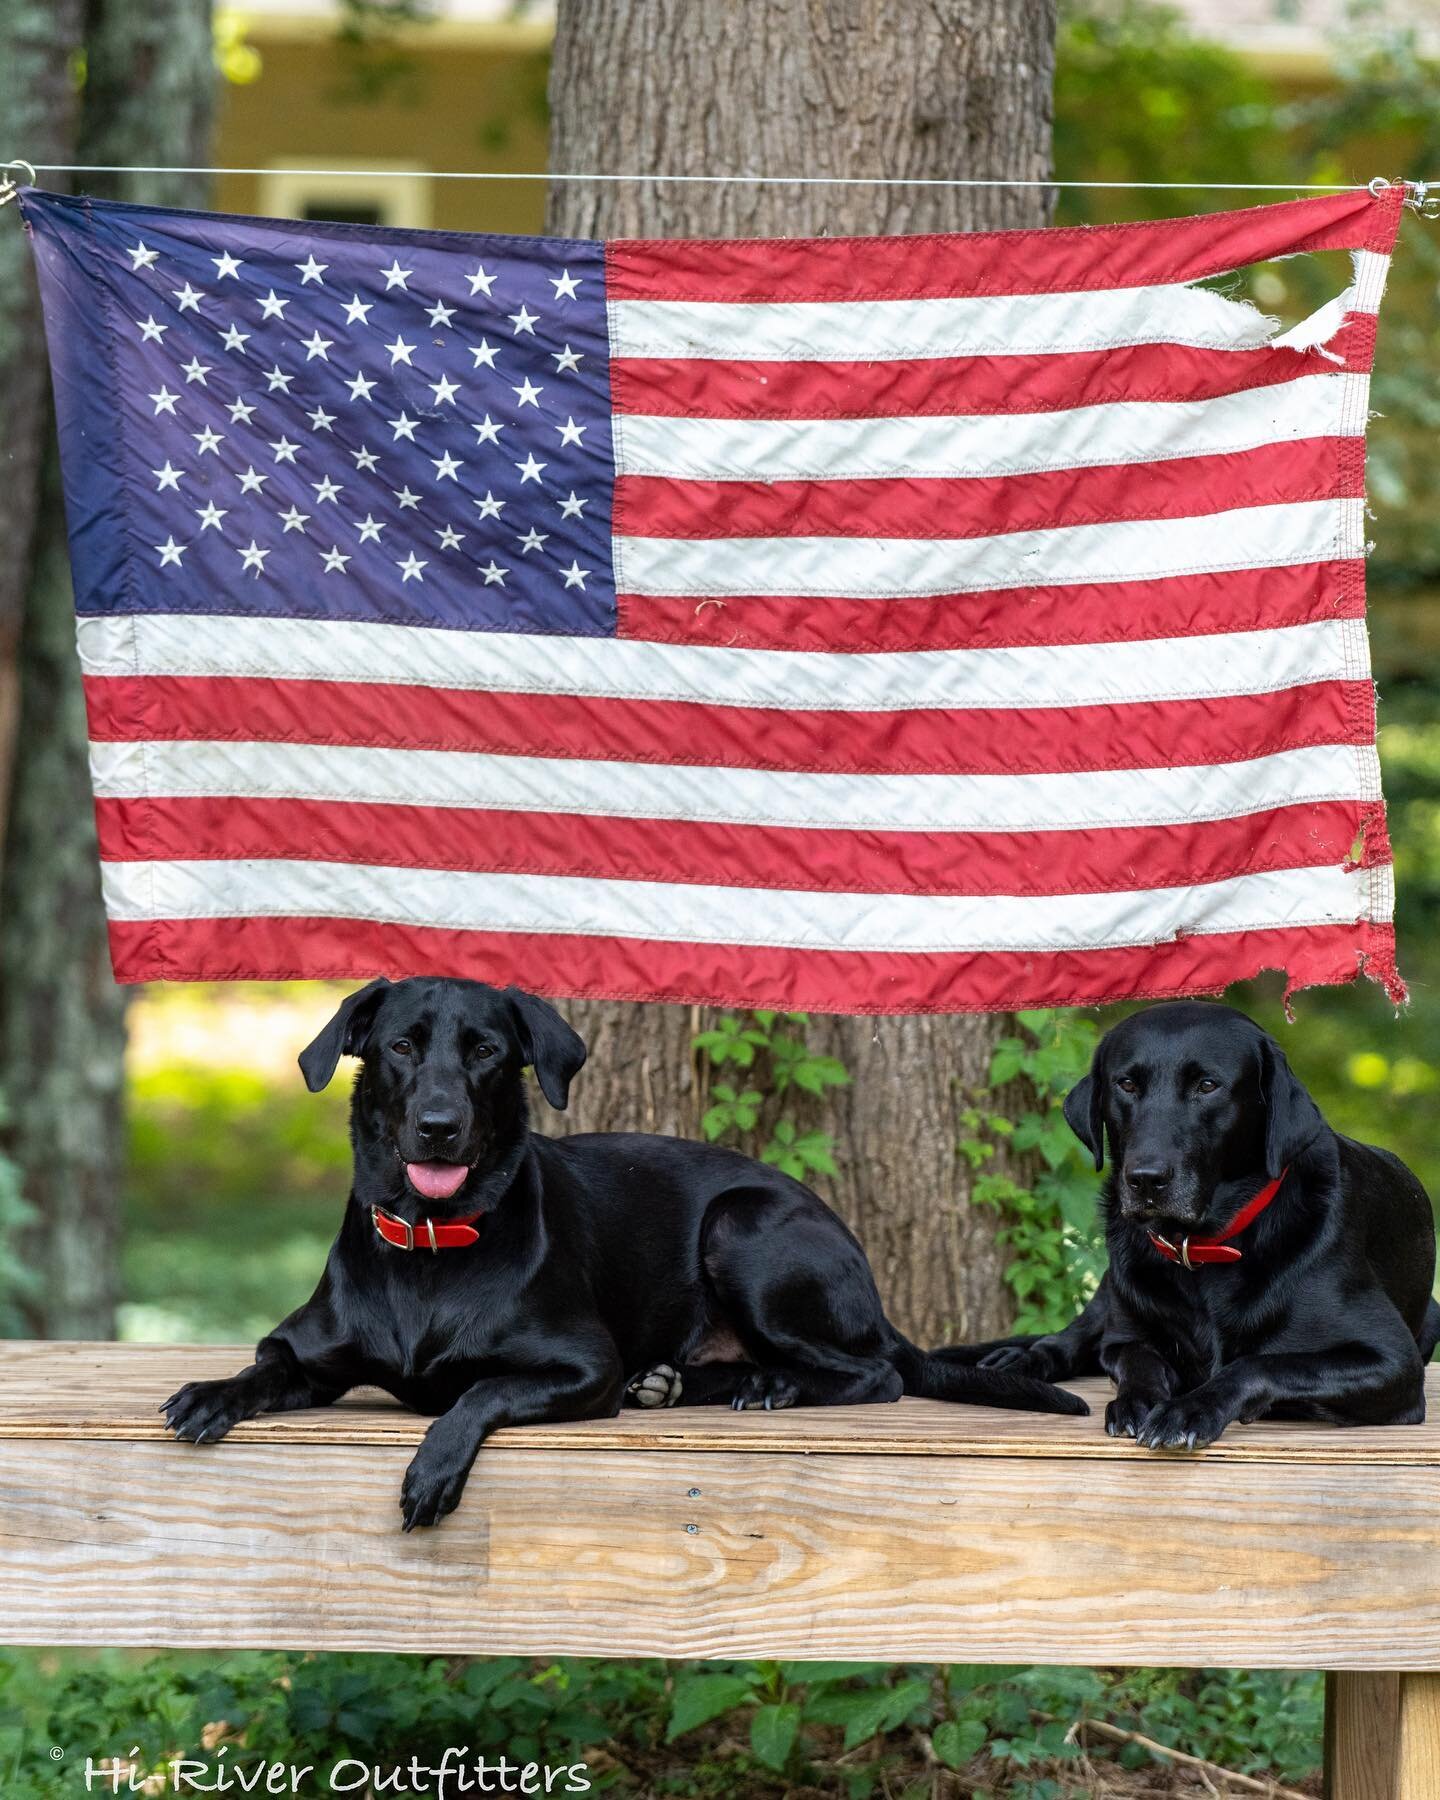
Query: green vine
column 770, row 1048
column 1051, row 1226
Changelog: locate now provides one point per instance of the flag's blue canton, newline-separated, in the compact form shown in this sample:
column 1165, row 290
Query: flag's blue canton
column 334, row 423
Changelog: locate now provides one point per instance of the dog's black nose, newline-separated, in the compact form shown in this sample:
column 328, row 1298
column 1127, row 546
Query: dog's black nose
column 1148, row 1178
column 438, row 1126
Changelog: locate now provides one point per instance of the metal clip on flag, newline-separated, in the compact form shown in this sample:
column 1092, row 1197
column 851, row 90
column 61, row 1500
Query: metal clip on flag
column 867, row 625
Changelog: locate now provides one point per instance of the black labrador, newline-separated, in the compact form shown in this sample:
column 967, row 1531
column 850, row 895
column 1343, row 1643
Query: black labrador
column 492, row 1276
column 1260, row 1263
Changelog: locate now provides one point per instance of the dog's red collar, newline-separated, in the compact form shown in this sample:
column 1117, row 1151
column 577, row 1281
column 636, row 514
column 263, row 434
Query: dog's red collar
column 427, row 1234
column 1191, row 1251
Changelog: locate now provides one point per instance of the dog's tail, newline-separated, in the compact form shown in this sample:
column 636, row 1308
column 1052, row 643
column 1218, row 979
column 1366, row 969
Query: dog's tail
column 933, row 1378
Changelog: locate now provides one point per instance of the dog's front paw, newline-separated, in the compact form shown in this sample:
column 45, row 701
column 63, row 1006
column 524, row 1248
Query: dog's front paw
column 202, row 1412
column 1185, row 1424
column 660, row 1386
column 767, row 1389
column 437, row 1474
column 1126, row 1414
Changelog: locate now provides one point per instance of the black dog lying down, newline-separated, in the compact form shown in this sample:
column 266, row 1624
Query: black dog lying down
column 1260, row 1264
column 495, row 1277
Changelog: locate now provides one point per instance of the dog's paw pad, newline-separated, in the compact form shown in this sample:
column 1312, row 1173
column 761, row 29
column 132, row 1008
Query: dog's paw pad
column 766, row 1390
column 660, row 1386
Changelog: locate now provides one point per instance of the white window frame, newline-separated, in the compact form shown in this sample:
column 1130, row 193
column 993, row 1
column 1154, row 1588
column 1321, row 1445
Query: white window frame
column 400, row 192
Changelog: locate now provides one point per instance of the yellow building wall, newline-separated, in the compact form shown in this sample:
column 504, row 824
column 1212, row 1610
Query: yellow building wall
column 452, row 105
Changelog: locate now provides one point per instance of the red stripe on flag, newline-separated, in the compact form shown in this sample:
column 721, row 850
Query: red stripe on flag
column 1098, row 613
column 1118, row 860
column 929, row 507
column 603, row 968
column 1138, row 734
column 699, row 388
column 1049, row 261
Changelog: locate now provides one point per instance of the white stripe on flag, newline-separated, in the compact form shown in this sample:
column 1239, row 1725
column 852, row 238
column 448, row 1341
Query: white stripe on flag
column 919, row 924
column 1008, row 325
column 463, row 778
column 1044, row 675
column 1255, row 537
column 1132, row 431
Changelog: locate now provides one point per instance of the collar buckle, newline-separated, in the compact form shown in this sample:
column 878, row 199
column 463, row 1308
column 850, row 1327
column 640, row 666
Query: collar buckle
column 403, row 1224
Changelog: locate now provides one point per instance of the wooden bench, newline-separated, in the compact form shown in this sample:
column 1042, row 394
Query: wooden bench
column 915, row 1532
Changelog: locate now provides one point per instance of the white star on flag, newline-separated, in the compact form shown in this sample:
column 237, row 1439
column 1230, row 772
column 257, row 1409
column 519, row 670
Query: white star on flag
column 334, row 560
column 494, row 574
column 395, row 276
column 480, row 282
column 565, row 285
column 142, row 258
column 225, row 264
column 253, row 557
column 310, row 270
column 210, row 515
column 575, row 576
column 171, row 552
column 410, row 568
column 524, row 320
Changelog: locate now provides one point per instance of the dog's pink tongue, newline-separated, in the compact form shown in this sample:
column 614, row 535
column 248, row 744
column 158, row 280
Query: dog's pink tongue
column 437, row 1180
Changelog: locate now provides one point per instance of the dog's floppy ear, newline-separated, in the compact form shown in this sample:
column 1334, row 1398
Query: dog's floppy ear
column 343, row 1036
column 1085, row 1108
column 1292, row 1119
column 547, row 1045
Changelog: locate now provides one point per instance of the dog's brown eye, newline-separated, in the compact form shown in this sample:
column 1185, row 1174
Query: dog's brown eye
column 401, row 1046
column 1125, row 1085
column 1206, row 1086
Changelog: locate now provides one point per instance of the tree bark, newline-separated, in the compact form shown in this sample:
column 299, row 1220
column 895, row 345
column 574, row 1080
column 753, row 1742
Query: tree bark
column 951, row 88
column 146, row 98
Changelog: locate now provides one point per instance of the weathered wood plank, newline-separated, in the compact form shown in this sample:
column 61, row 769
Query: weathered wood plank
column 1362, row 1717
column 1417, row 1755
column 112, row 1392
column 694, row 1553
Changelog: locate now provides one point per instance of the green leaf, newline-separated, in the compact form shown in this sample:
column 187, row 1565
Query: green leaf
column 772, row 1734
column 700, row 1698
column 957, row 1740
column 815, row 1672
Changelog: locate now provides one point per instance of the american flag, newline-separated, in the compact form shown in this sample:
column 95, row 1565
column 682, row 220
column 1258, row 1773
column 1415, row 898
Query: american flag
column 873, row 625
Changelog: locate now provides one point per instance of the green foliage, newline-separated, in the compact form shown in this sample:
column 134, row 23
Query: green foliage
column 771, row 1047
column 738, row 1730
column 1050, row 1224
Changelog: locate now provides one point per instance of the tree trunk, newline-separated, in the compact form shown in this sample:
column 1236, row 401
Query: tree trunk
column 815, row 87
column 146, row 98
